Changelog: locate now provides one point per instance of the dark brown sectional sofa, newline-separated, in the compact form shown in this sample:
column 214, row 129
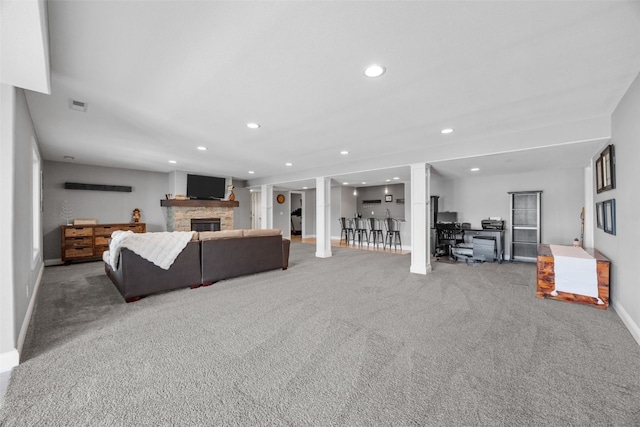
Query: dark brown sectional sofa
column 215, row 256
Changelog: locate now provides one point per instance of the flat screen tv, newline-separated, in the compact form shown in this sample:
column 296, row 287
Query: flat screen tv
column 206, row 187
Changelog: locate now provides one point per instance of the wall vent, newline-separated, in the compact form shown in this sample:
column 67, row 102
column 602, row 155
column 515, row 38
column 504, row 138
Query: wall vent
column 77, row 105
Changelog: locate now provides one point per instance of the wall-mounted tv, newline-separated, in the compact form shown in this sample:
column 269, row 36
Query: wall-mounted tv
column 206, row 187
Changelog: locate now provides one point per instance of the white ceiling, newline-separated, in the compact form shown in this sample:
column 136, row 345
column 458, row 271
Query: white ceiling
column 163, row 77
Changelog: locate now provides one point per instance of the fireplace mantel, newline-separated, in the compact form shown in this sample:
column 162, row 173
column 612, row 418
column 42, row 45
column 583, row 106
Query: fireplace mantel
column 199, row 203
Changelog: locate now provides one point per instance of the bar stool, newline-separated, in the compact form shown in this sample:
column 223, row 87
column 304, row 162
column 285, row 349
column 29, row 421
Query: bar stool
column 393, row 233
column 345, row 230
column 375, row 230
column 360, row 231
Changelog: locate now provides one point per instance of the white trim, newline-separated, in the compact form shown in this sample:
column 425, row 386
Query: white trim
column 49, row 262
column 27, row 316
column 626, row 319
column 9, row 360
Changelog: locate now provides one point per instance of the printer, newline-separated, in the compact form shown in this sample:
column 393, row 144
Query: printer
column 492, row 224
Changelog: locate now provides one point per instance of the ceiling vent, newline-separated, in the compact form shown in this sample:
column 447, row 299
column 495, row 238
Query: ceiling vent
column 77, row 105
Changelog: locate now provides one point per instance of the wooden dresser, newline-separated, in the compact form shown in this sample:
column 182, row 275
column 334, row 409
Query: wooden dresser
column 87, row 242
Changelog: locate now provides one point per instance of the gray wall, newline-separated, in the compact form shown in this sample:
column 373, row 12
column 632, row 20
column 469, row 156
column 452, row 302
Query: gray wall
column 242, row 214
column 282, row 212
column 396, row 210
column 105, row 206
column 622, row 249
column 562, row 200
column 310, row 212
column 25, row 273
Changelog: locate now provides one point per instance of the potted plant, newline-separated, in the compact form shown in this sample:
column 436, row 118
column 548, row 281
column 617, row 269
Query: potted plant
column 576, row 242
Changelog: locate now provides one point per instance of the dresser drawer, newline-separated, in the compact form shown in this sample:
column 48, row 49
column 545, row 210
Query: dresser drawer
column 102, row 240
column 78, row 242
column 78, row 252
column 78, row 231
column 106, row 230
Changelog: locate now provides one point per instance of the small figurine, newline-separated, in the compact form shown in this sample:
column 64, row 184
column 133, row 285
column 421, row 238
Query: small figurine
column 136, row 215
column 232, row 196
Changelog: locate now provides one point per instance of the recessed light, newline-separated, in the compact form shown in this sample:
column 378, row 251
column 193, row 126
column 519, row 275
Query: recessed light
column 253, row 125
column 172, row 161
column 345, row 183
column 387, row 180
column 396, row 177
column 201, row 148
column 288, row 164
column 475, row 169
column 446, row 131
column 251, row 172
column 304, row 188
column 374, row 70
column 364, row 182
column 344, row 152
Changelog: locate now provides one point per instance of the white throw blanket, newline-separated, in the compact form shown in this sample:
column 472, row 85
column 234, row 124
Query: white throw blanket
column 161, row 248
column 575, row 271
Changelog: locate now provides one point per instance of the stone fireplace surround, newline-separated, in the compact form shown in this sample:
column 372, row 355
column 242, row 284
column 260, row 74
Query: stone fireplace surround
column 179, row 213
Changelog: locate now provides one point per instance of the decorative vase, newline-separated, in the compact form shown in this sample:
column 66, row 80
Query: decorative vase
column 232, row 197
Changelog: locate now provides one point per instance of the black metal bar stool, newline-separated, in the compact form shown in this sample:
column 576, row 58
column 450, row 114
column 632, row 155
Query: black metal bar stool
column 360, row 231
column 375, row 231
column 393, row 233
column 346, row 229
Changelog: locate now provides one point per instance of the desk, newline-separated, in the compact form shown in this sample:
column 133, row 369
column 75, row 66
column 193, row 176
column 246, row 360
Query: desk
column 497, row 235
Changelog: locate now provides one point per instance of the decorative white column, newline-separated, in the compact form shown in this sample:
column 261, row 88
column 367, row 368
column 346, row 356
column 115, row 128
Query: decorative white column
column 267, row 206
column 323, row 217
column 420, row 257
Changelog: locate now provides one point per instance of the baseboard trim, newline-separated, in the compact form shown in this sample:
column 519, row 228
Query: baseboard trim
column 9, row 360
column 27, row 316
column 626, row 319
column 50, row 262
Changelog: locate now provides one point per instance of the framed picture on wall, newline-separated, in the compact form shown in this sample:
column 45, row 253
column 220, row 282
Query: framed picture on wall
column 605, row 170
column 599, row 215
column 610, row 216
column 388, row 198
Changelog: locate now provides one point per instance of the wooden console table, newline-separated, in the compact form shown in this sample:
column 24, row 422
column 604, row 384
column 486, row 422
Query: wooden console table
column 546, row 279
column 88, row 242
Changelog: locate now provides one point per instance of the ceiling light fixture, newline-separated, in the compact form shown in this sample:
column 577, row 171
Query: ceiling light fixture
column 251, row 172
column 344, row 153
column 475, row 169
column 201, row 148
column 386, row 190
column 364, row 182
column 355, row 192
column 396, row 177
column 253, row 125
column 387, row 180
column 345, row 183
column 446, row 131
column 304, row 188
column 172, row 161
column 288, row 164
column 374, row 70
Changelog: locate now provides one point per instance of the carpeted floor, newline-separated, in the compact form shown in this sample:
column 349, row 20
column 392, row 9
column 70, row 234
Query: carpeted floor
column 350, row 340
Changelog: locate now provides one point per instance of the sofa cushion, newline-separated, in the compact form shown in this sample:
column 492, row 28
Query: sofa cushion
column 223, row 234
column 262, row 232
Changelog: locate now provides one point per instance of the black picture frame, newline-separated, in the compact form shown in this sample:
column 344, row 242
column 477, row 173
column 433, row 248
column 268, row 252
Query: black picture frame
column 388, row 198
column 609, row 208
column 600, row 215
column 606, row 170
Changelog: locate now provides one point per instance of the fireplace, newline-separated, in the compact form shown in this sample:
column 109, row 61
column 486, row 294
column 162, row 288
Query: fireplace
column 205, row 224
